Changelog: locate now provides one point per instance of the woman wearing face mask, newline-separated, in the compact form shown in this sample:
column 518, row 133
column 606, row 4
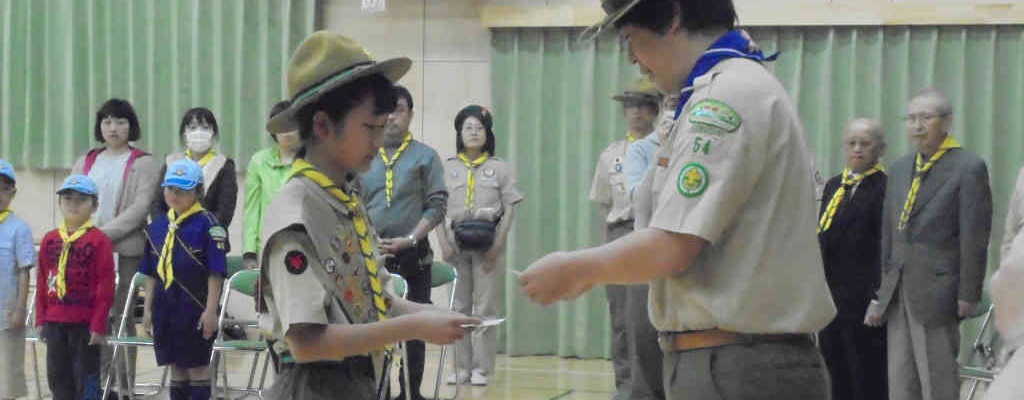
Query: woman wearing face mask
column 199, row 134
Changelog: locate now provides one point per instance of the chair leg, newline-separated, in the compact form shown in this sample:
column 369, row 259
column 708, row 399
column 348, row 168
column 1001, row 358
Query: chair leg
column 111, row 369
column 213, row 374
column 405, row 372
column 263, row 376
column 35, row 367
column 974, row 388
column 131, row 379
column 440, row 374
column 252, row 371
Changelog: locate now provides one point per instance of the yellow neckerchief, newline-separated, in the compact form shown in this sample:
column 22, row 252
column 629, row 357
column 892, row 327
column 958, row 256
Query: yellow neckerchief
column 470, row 176
column 920, row 168
column 849, row 181
column 629, row 137
column 3, row 215
column 62, row 263
column 359, row 221
column 389, row 175
column 165, row 264
column 202, row 161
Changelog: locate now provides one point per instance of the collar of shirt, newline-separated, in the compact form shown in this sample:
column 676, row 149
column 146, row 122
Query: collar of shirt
column 274, row 159
column 730, row 45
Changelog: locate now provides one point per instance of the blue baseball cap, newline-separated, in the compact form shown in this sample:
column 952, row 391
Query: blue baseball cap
column 79, row 183
column 184, row 174
column 6, row 169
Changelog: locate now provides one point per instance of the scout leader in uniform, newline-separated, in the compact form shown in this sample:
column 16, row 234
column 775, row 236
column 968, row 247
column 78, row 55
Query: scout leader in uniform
column 609, row 190
column 322, row 279
column 731, row 254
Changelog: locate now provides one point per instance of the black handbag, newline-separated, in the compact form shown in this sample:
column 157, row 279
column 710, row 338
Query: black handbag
column 475, row 235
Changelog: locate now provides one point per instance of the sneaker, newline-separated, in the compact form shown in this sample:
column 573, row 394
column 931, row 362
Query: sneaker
column 478, row 378
column 458, row 377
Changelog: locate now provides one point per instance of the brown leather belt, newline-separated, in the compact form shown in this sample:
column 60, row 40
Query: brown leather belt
column 694, row 340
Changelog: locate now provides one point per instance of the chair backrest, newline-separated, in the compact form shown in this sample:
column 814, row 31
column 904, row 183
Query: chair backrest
column 234, row 264
column 244, row 282
column 442, row 273
column 138, row 282
column 399, row 285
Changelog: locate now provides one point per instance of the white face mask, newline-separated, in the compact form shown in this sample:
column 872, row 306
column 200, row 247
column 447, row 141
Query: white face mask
column 199, row 140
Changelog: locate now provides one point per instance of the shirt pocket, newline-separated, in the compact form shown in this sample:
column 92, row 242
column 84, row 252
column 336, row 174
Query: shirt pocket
column 487, row 193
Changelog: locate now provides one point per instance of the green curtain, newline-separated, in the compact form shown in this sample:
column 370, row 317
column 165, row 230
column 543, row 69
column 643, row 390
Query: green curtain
column 554, row 115
column 60, row 60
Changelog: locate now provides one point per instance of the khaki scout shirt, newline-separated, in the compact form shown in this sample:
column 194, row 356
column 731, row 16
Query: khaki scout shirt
column 495, row 189
column 609, row 185
column 737, row 175
column 313, row 270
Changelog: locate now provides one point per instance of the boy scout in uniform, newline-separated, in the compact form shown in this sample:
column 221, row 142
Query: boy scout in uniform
column 737, row 283
column 609, row 190
column 331, row 319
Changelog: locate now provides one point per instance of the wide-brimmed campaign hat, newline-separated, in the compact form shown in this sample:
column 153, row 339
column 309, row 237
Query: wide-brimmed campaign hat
column 614, row 10
column 326, row 61
column 640, row 90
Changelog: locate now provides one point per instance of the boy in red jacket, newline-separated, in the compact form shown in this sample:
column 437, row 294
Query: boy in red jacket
column 74, row 291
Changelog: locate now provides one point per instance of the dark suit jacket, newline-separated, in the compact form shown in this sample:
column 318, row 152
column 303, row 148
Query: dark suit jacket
column 941, row 256
column 851, row 247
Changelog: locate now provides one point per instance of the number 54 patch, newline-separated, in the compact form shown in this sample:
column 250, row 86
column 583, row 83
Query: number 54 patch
column 701, row 145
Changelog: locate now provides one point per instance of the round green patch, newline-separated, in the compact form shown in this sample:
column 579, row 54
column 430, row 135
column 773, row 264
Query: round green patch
column 693, row 180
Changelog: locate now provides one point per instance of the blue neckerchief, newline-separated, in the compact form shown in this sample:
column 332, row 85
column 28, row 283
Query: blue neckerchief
column 730, row 45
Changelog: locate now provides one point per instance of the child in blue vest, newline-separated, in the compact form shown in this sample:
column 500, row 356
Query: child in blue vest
column 185, row 261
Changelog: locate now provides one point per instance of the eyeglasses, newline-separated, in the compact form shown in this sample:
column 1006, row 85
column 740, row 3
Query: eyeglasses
column 926, row 118
column 7, row 190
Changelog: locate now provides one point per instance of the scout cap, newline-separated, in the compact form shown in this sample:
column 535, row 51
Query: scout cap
column 184, row 174
column 79, row 183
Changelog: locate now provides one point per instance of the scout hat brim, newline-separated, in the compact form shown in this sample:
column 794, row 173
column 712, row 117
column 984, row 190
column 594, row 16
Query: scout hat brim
column 636, row 96
column 609, row 20
column 392, row 69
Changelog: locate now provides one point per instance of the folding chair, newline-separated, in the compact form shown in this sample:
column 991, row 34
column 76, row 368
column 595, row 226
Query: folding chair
column 243, row 282
column 32, row 337
column 121, row 340
column 401, row 289
column 442, row 273
column 982, row 364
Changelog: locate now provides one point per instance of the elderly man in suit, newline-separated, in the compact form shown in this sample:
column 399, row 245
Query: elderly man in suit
column 936, row 223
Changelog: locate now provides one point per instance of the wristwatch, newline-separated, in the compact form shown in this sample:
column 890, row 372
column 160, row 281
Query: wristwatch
column 413, row 239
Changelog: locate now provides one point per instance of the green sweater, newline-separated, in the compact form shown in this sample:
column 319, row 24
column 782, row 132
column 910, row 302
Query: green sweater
column 265, row 176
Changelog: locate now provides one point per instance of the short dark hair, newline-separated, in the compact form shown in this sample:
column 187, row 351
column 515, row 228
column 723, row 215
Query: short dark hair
column 277, row 109
column 201, row 114
column 694, row 15
column 481, row 114
column 117, row 108
column 339, row 102
column 402, row 93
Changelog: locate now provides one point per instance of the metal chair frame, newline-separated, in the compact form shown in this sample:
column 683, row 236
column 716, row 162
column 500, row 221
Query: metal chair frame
column 120, row 340
column 257, row 348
